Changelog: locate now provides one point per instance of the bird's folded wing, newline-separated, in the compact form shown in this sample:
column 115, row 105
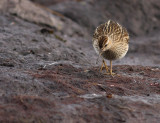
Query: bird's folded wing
column 99, row 31
column 115, row 32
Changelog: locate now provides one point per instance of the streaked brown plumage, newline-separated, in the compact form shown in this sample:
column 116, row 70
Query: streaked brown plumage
column 110, row 40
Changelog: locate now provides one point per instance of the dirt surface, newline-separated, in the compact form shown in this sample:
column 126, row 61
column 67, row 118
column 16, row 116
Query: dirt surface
column 48, row 69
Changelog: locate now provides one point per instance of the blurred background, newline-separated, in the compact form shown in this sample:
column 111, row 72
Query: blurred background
column 140, row 17
column 73, row 22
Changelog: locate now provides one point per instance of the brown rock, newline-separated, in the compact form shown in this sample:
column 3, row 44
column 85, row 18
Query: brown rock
column 40, row 15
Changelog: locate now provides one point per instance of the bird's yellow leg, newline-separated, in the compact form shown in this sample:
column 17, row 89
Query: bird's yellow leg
column 105, row 66
column 101, row 67
column 111, row 73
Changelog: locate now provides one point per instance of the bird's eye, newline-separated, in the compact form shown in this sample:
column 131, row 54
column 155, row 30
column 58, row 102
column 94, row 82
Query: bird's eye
column 105, row 45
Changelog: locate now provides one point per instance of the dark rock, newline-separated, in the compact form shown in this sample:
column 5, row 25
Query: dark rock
column 51, row 75
column 41, row 15
column 136, row 16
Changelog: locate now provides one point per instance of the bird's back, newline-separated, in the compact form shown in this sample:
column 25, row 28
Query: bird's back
column 113, row 30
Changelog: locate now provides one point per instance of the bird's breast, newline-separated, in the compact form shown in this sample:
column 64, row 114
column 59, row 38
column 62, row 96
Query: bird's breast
column 116, row 52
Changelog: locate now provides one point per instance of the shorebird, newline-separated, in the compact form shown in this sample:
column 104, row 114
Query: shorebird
column 111, row 41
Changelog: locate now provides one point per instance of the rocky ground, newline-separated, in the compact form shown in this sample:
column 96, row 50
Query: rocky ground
column 48, row 69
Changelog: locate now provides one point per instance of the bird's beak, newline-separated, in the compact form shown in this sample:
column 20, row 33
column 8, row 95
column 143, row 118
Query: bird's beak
column 99, row 56
column 100, row 53
column 102, row 50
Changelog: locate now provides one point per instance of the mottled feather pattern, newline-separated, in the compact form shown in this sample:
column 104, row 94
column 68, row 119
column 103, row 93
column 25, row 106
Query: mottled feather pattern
column 99, row 31
column 113, row 30
column 118, row 36
column 102, row 40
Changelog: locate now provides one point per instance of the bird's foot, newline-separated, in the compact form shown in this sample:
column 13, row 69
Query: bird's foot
column 112, row 74
column 108, row 73
column 107, row 69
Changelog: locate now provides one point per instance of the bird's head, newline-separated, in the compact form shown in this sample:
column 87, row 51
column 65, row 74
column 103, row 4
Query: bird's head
column 106, row 44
